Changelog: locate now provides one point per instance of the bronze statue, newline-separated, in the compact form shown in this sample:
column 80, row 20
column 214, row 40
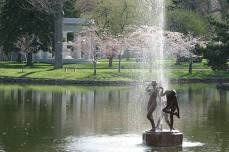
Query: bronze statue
column 152, row 104
column 172, row 107
column 157, row 136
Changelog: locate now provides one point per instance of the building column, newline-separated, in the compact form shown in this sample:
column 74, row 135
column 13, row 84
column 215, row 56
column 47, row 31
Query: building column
column 64, row 44
column 77, row 50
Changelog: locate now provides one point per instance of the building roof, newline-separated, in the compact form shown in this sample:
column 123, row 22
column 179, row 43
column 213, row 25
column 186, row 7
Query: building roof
column 77, row 21
column 72, row 21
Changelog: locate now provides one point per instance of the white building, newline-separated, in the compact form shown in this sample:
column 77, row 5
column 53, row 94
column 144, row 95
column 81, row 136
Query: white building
column 72, row 31
column 72, row 28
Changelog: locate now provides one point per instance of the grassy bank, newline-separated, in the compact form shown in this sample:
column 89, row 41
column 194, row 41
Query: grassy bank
column 131, row 70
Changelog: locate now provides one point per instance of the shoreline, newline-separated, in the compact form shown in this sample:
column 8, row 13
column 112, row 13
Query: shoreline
column 103, row 82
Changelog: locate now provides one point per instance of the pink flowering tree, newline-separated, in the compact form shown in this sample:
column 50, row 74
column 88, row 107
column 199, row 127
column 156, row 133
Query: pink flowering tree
column 28, row 44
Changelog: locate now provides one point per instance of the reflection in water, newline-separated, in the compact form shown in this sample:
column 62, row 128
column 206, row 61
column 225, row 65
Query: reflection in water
column 192, row 144
column 41, row 118
column 120, row 143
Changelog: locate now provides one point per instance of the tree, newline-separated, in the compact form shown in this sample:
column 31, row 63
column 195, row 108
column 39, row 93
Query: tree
column 181, row 46
column 16, row 22
column 113, row 18
column 217, row 51
column 1, row 4
column 86, row 7
column 108, row 46
column 186, row 21
column 89, row 44
column 183, row 17
column 29, row 44
column 9, row 29
column 55, row 9
column 70, row 9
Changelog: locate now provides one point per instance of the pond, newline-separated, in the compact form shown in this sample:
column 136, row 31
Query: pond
column 89, row 119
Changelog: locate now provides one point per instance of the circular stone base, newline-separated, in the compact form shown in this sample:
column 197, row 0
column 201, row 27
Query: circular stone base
column 163, row 138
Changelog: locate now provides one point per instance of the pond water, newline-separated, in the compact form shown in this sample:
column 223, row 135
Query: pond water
column 109, row 119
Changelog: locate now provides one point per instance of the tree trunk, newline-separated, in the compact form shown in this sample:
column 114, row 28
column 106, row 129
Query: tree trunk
column 29, row 59
column 58, row 38
column 190, row 66
column 19, row 58
column 119, row 63
column 110, row 61
column 94, row 67
column 177, row 60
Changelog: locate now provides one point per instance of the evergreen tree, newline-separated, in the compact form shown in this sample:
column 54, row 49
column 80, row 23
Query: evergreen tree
column 15, row 21
column 70, row 9
column 217, row 51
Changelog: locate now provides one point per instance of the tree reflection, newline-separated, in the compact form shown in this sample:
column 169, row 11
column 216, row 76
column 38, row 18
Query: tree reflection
column 45, row 119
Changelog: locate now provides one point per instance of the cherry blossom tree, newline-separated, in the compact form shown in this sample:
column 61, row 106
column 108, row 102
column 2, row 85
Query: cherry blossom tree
column 146, row 39
column 181, row 45
column 175, row 43
column 28, row 43
column 149, row 39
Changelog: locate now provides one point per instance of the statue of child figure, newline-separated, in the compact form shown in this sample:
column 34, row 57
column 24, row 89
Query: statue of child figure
column 153, row 91
column 172, row 107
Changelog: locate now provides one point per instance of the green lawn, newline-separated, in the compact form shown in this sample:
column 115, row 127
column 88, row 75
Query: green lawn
column 131, row 70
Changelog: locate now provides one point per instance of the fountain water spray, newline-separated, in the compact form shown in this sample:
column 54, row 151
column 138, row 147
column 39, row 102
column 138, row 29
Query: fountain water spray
column 160, row 11
column 157, row 8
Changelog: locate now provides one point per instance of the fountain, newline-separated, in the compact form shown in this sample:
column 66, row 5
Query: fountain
column 158, row 136
column 150, row 40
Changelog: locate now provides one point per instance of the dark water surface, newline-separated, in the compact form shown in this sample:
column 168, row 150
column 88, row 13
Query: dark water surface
column 89, row 119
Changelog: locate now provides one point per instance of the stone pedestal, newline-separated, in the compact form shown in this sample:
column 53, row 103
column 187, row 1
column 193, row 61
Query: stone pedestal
column 163, row 138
